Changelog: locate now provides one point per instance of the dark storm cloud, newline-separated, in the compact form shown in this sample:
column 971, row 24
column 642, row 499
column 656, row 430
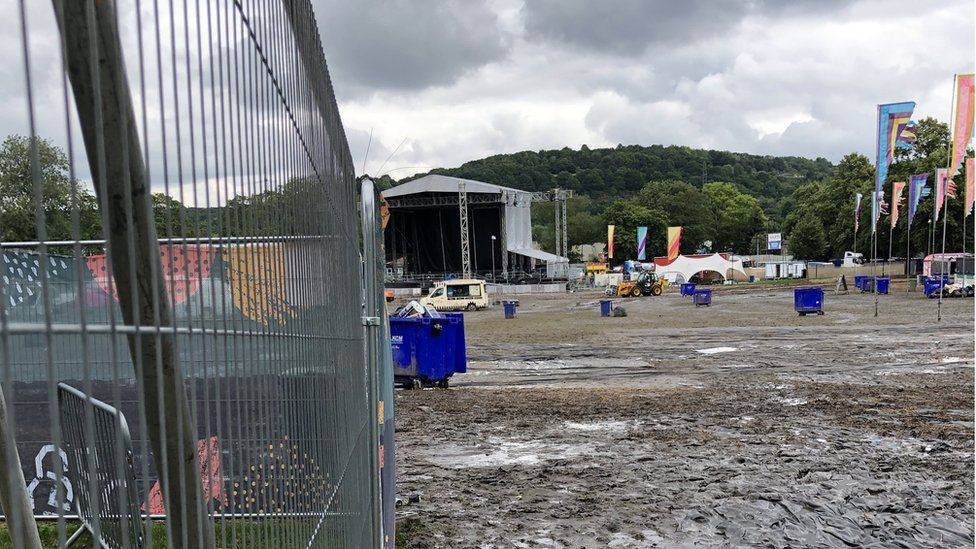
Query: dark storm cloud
column 630, row 27
column 406, row 44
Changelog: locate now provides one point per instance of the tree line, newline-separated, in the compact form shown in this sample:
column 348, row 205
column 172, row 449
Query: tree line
column 727, row 200
column 72, row 211
column 820, row 222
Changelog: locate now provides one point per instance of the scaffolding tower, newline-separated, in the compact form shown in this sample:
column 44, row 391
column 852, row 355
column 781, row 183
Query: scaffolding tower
column 558, row 196
column 463, row 212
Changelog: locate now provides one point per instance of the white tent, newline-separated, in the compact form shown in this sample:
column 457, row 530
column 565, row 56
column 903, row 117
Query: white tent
column 556, row 266
column 684, row 267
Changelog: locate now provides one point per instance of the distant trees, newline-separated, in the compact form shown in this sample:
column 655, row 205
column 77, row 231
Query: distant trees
column 626, row 216
column 831, row 201
column 607, row 174
column 60, row 193
column 285, row 209
column 720, row 196
column 807, row 238
column 736, row 217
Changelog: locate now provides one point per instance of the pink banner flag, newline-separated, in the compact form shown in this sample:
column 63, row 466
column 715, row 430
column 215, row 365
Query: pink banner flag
column 962, row 124
column 941, row 175
column 896, row 189
column 970, row 190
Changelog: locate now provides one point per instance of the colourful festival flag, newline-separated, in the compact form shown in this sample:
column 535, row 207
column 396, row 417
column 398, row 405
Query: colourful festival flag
column 916, row 192
column 906, row 135
column 641, row 243
column 970, row 185
column 893, row 121
column 857, row 210
column 674, row 243
column 962, row 124
column 878, row 208
column 941, row 175
column 896, row 200
column 610, row 241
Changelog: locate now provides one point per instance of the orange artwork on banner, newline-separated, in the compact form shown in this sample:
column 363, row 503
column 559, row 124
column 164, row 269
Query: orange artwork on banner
column 184, row 267
column 257, row 280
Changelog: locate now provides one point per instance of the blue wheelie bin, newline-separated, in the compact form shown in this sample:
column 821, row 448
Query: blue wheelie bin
column 688, row 288
column 867, row 285
column 509, row 307
column 605, row 307
column 859, row 281
column 883, row 282
column 808, row 301
column 428, row 351
column 933, row 286
column 703, row 297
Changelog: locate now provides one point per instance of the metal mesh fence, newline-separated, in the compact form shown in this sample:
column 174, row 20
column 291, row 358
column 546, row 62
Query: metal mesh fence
column 187, row 252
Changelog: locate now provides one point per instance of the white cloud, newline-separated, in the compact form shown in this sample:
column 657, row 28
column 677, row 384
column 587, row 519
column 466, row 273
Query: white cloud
column 456, row 81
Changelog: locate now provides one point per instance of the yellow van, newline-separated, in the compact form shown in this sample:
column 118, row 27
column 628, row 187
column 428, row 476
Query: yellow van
column 456, row 295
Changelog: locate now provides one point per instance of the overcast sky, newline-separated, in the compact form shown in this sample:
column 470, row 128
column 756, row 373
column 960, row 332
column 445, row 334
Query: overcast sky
column 459, row 80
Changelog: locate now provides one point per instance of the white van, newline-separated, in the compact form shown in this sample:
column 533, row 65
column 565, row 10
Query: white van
column 455, row 295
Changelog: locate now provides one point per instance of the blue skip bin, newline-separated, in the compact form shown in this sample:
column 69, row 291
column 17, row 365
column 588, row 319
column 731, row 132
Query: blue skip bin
column 703, row 297
column 808, row 300
column 509, row 307
column 605, row 307
column 688, row 288
column 428, row 350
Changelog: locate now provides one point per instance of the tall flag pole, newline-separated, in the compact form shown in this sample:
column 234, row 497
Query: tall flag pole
column 674, row 243
column 641, row 243
column 962, row 134
column 896, row 189
column 857, row 219
column 609, row 243
column 894, row 121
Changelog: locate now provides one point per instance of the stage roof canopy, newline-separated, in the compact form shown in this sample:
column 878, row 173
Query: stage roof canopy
column 445, row 184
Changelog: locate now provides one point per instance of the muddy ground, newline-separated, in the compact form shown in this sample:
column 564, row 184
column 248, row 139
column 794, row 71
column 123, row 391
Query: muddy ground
column 740, row 424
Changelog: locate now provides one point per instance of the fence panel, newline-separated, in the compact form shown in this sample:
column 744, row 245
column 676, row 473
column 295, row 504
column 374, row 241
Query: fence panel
column 190, row 257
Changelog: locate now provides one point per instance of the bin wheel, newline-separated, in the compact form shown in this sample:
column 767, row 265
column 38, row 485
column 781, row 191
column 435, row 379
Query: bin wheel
column 802, row 313
column 444, row 383
column 417, row 384
column 471, row 306
column 820, row 313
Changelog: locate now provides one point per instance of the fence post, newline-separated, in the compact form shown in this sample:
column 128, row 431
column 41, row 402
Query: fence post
column 372, row 322
column 13, row 488
column 96, row 69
